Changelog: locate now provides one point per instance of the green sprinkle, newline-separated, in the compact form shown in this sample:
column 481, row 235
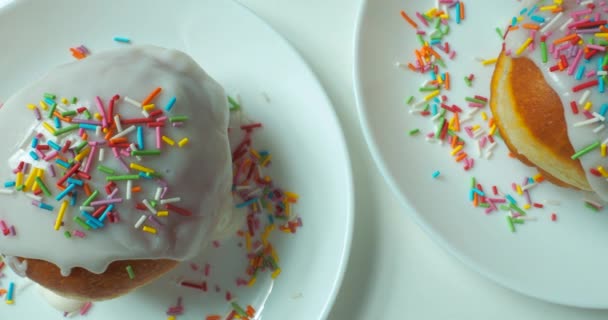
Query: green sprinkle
column 81, row 223
column 233, row 104
column 81, row 146
column 544, row 54
column 90, row 198
column 499, row 33
column 67, row 234
column 65, row 130
column 469, row 99
column 50, row 96
column 468, row 81
column 426, row 89
column 105, row 169
column 440, row 63
column 145, row 153
column 484, row 205
column 413, row 132
column 519, row 221
column 504, row 207
column 421, row 40
column 585, row 150
column 239, row 310
column 130, row 272
column 511, row 224
column 410, row 100
column 438, row 131
column 87, row 114
column 69, row 113
column 437, row 24
column 52, row 110
column 592, row 207
column 473, row 182
column 518, row 209
column 44, row 188
column 20, row 187
column 446, row 28
column 123, row 177
column 272, row 263
column 74, row 100
column 178, row 119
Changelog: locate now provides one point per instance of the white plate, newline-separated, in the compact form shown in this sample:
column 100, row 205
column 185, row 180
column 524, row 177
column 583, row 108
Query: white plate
column 563, row 261
column 301, row 130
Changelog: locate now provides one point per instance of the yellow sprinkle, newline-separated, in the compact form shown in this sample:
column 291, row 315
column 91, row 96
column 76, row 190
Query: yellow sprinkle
column 445, row 16
column 168, row 141
column 44, row 106
column 9, row 301
column 171, row 318
column 519, row 190
column 248, row 241
column 274, row 255
column 83, row 153
column 140, row 168
column 19, row 179
column 588, row 105
column 48, row 128
column 432, row 95
column 523, row 46
column 456, row 150
column 601, row 35
column 254, row 153
column 266, row 234
column 183, row 142
column 520, row 18
column 526, row 206
column 98, row 116
column 603, row 150
column 104, row 130
column 484, row 116
column 149, row 229
column 492, row 130
column 62, row 209
column 602, row 171
column 287, row 208
column 276, row 273
column 431, row 12
column 451, row 124
column 267, row 160
column 162, row 213
column 548, row 8
column 65, row 101
column 475, row 127
column 537, row 177
column 293, row 197
column 251, row 282
column 149, row 107
column 31, row 106
column 439, row 80
column 30, row 179
column 488, row 62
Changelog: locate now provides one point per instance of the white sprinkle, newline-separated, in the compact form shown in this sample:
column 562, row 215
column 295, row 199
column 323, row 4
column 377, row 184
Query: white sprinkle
column 473, row 112
column 436, row 117
column 145, row 113
column 141, row 221
column 584, row 97
column 129, row 189
column 420, row 104
column 60, row 109
column 98, row 131
column 101, row 154
column 33, row 196
column 597, row 115
column 7, row 191
column 118, row 124
column 488, row 155
column 584, row 3
column 478, row 148
column 149, row 206
column 479, row 133
column 492, row 146
column 600, row 128
column 133, row 102
column 134, row 147
column 527, row 218
column 159, row 191
column 529, row 186
column 398, row 65
column 586, row 122
column 170, row 200
column 565, row 25
column 602, row 73
column 548, row 27
column 87, row 208
column 123, row 133
column 466, row 119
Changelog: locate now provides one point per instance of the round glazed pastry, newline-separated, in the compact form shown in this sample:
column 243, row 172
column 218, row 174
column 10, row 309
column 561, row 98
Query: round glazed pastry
column 548, row 93
column 115, row 168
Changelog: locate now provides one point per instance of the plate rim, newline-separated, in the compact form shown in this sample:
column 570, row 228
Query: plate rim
column 405, row 200
column 349, row 206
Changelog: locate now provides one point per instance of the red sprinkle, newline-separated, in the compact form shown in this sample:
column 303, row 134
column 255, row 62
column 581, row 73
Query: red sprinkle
column 553, row 217
column 574, row 107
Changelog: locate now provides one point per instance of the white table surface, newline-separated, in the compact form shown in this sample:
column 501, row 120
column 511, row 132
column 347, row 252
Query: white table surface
column 395, row 271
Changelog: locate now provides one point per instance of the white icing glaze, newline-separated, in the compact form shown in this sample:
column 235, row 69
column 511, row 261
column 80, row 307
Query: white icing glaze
column 200, row 173
column 562, row 84
column 58, row 302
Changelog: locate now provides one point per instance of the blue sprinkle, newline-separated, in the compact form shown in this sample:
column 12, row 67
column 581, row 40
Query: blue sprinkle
column 514, row 21
column 92, row 224
column 457, row 12
column 34, row 155
column 9, row 184
column 433, row 109
column 523, row 11
column 435, row 41
column 511, row 200
column 35, row 142
column 532, row 10
column 105, row 212
column 87, row 126
column 11, row 290
column 62, row 163
column 246, row 203
column 140, row 137
column 75, row 181
column 122, row 39
column 471, row 195
column 45, row 206
column 603, row 110
column 479, row 192
column 602, row 85
column 65, row 192
column 580, row 72
column 145, row 175
column 171, row 104
column 270, row 219
column 54, row 145
column 436, row 174
column 50, row 102
column 57, row 122
column 73, row 199
column 433, row 75
column 538, row 19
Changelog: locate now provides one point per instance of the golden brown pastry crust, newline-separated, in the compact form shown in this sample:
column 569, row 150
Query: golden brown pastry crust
column 538, row 111
column 87, row 286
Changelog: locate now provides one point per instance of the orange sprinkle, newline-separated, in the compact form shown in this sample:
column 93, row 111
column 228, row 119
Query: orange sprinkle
column 531, row 26
column 250, row 311
column 109, row 135
column 64, row 119
column 411, row 66
column 433, row 52
column 419, row 58
column 214, row 317
column 461, row 10
column 136, row 189
column 454, row 141
column 87, row 189
column 475, row 200
column 456, row 122
column 84, row 136
column 447, row 81
column 120, row 140
column 461, row 156
column 513, row 28
column 2, row 292
column 558, row 10
column 565, row 39
column 409, row 20
column 491, row 122
column 151, row 96
column 512, row 155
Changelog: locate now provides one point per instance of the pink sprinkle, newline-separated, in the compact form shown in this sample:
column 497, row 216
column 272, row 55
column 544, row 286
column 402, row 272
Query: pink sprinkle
column 87, row 165
column 51, row 155
column 194, row 266
column 78, row 233
column 115, row 152
column 53, row 174
column 85, row 308
column 158, row 138
column 102, row 111
column 422, row 19
column 452, row 55
column 216, row 244
column 228, row 296
column 13, row 231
